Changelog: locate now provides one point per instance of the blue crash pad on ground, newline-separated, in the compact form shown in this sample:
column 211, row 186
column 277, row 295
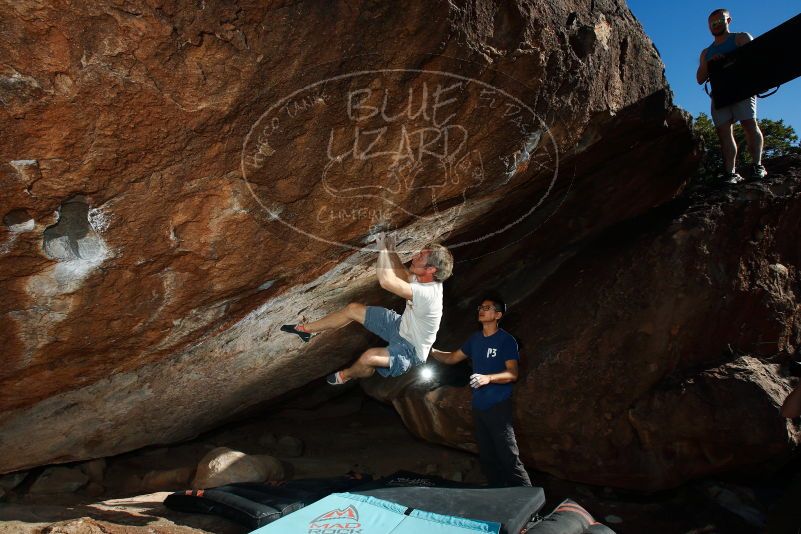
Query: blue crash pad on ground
column 348, row 513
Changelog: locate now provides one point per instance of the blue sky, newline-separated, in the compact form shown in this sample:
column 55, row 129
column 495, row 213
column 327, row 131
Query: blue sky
column 679, row 30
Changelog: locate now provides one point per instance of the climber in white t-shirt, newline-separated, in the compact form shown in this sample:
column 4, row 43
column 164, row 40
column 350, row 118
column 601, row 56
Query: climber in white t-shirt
column 409, row 335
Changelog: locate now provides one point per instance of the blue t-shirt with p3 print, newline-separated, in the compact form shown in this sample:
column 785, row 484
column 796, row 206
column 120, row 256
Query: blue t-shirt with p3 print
column 489, row 356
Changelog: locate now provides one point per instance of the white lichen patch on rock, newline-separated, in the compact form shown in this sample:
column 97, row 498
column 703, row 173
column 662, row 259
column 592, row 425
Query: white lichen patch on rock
column 27, row 170
column 78, row 251
column 52, row 292
column 99, row 220
column 603, row 31
column 26, row 226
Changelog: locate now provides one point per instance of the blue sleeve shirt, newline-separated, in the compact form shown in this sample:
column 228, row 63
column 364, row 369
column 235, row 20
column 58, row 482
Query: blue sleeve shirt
column 489, row 356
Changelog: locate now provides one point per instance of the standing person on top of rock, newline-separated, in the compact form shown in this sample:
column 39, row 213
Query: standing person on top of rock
column 495, row 358
column 409, row 335
column 743, row 111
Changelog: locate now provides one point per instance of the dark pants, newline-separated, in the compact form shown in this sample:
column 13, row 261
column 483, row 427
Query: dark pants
column 497, row 447
column 785, row 517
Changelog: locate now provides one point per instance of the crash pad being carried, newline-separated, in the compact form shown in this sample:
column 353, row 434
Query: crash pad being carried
column 762, row 64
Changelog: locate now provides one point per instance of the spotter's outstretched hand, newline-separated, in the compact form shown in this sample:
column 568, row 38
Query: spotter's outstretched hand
column 477, row 380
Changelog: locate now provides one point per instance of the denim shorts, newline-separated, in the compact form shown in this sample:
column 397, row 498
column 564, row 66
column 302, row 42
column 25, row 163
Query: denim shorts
column 386, row 324
column 739, row 111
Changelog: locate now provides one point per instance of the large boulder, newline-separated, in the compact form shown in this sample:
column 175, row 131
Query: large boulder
column 179, row 181
column 653, row 355
column 223, row 466
column 59, row 480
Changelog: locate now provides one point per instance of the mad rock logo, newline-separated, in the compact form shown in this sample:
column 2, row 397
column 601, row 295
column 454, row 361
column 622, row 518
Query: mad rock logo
column 337, row 522
column 368, row 151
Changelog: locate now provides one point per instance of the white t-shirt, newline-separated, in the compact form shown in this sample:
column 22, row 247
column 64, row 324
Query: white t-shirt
column 420, row 320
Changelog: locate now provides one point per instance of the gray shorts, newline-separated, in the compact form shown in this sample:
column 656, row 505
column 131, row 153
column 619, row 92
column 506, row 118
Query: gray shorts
column 739, row 111
column 386, row 324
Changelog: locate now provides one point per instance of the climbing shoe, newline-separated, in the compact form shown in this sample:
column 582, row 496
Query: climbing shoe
column 758, row 172
column 732, row 178
column 336, row 379
column 293, row 329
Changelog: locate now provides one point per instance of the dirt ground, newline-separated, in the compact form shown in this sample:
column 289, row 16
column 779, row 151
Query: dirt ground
column 355, row 433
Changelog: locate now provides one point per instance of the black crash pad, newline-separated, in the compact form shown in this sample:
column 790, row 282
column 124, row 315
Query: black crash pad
column 766, row 62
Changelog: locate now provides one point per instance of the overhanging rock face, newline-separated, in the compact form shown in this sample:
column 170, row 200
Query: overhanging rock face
column 653, row 355
column 180, row 181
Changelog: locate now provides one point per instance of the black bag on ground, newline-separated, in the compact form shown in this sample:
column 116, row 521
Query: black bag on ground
column 257, row 504
column 567, row 518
